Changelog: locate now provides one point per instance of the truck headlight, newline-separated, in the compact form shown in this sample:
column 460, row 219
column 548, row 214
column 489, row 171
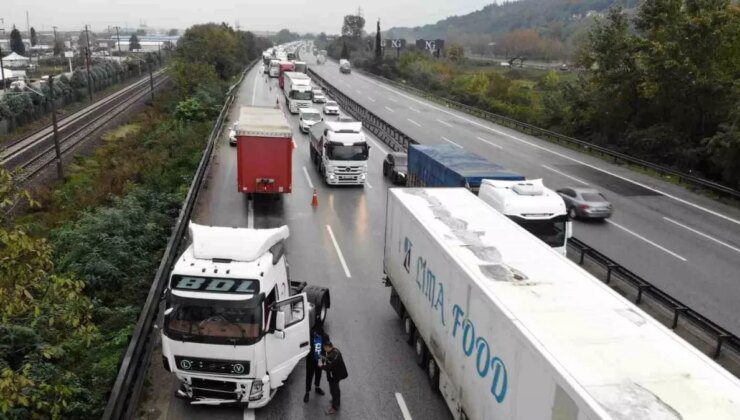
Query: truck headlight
column 363, row 176
column 256, row 392
column 332, row 176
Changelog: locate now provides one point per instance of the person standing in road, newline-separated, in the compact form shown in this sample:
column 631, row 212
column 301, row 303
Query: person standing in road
column 313, row 373
column 336, row 370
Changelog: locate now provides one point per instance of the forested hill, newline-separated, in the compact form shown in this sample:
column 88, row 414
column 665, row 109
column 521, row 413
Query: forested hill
column 501, row 18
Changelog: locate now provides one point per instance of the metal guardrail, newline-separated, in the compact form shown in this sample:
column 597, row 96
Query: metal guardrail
column 399, row 141
column 721, row 336
column 616, row 157
column 124, row 397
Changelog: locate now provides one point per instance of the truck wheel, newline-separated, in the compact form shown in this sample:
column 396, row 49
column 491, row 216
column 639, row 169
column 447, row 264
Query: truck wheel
column 433, row 374
column 408, row 329
column 420, row 350
column 323, row 309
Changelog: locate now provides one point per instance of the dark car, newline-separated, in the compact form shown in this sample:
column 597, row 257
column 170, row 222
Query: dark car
column 395, row 167
column 586, row 203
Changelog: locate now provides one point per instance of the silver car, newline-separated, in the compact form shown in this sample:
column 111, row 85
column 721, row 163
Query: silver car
column 331, row 108
column 586, row 203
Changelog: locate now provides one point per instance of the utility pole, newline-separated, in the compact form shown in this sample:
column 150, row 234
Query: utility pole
column 118, row 37
column 57, row 149
column 87, row 61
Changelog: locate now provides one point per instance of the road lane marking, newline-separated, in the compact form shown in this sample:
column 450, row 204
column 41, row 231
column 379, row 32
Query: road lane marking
column 444, row 122
column 358, row 92
column 450, row 141
column 565, row 175
column 413, row 122
column 389, row 109
column 572, row 159
column 368, row 183
column 250, row 213
column 402, row 405
column 489, row 142
column 308, row 178
column 667, row 251
column 249, row 414
column 254, row 89
column 392, row 99
column 371, row 99
column 415, row 110
column 711, row 238
column 339, row 252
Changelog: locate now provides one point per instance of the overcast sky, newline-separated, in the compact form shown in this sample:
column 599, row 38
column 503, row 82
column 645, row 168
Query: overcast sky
column 297, row 15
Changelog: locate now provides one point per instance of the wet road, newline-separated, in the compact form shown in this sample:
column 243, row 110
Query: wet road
column 361, row 321
column 686, row 244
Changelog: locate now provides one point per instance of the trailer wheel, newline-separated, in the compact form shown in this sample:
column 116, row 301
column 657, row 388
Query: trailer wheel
column 433, row 374
column 408, row 329
column 420, row 349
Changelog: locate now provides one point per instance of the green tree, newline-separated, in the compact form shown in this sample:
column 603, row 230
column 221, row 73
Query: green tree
column 34, row 37
column 378, row 46
column 133, row 43
column 58, row 48
column 353, row 26
column 16, row 42
column 345, row 52
column 173, row 32
column 455, row 52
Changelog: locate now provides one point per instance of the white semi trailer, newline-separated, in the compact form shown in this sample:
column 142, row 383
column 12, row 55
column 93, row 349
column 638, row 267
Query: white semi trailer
column 508, row 328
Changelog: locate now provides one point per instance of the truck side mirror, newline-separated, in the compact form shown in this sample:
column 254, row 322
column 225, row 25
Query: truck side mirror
column 279, row 321
column 568, row 229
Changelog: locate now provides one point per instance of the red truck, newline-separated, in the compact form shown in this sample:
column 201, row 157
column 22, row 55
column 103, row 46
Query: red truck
column 264, row 151
column 284, row 66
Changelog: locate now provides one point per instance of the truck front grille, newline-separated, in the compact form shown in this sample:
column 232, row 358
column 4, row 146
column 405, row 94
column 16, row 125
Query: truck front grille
column 213, row 385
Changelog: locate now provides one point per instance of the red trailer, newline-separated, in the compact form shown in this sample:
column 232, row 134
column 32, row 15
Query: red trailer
column 264, row 151
column 284, row 66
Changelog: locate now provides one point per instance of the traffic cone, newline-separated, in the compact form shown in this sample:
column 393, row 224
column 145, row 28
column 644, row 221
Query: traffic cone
column 315, row 199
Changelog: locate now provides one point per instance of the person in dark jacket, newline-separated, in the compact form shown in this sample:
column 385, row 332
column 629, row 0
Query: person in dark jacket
column 336, row 370
column 313, row 373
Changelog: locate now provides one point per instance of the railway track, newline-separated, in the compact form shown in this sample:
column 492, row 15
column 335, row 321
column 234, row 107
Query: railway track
column 35, row 152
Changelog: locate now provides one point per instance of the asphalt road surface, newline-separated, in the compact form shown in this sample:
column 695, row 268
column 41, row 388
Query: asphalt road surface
column 686, row 244
column 339, row 245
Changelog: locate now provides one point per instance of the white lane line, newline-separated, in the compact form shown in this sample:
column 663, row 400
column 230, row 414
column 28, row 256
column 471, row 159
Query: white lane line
column 450, row 141
column 249, row 414
column 489, row 142
column 368, row 183
column 254, row 89
column 308, row 178
column 339, row 252
column 413, row 122
column 389, row 109
column 402, row 405
column 580, row 181
column 711, row 238
column 357, row 90
column 665, row 194
column 667, row 251
column 250, row 214
column 370, row 99
column 415, row 110
column 392, row 99
column 444, row 122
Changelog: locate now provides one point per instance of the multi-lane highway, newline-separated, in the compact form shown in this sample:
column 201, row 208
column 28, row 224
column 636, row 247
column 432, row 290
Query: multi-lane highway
column 684, row 243
column 339, row 245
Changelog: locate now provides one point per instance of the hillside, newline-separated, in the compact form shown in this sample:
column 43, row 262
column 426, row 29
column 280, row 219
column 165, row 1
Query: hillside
column 496, row 19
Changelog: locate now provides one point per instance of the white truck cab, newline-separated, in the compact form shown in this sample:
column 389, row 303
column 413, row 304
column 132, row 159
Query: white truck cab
column 297, row 90
column 536, row 208
column 339, row 151
column 235, row 326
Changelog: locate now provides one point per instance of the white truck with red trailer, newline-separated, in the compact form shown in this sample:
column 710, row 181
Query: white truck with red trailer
column 508, row 328
column 235, row 325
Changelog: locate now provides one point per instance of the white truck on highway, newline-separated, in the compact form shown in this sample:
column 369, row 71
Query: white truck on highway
column 297, row 90
column 508, row 328
column 536, row 208
column 235, row 326
column 340, row 151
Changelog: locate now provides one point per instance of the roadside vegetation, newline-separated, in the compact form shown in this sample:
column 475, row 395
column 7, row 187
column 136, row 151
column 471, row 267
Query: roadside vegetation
column 661, row 84
column 76, row 265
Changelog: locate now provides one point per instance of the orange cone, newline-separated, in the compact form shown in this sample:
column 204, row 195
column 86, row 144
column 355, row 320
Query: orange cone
column 315, row 199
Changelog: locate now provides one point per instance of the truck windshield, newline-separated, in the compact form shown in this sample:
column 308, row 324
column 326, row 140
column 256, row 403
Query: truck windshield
column 341, row 152
column 214, row 323
column 550, row 231
column 301, row 96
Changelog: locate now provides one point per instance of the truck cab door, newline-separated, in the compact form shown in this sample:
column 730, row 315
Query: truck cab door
column 288, row 340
